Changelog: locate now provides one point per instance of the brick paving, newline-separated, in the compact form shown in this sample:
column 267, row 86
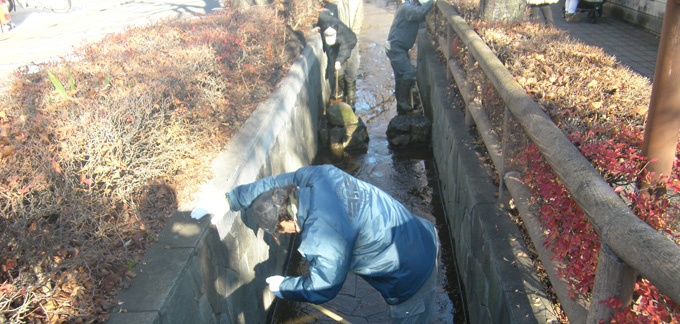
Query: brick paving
column 631, row 45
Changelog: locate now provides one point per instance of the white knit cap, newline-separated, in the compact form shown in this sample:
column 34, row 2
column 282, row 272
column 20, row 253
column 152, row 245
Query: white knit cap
column 330, row 34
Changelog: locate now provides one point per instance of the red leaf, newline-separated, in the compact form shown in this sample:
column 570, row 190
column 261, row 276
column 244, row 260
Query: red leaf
column 56, row 167
column 85, row 180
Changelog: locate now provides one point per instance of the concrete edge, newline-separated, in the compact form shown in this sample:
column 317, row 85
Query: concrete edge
column 160, row 275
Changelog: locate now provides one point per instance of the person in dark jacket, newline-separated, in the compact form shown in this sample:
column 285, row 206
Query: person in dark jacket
column 400, row 40
column 351, row 13
column 346, row 225
column 339, row 42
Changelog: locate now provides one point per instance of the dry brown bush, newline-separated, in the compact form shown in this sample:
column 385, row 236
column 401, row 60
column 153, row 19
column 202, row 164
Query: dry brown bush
column 89, row 175
column 564, row 75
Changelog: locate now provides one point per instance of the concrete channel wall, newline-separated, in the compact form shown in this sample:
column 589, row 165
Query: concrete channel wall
column 498, row 276
column 212, row 271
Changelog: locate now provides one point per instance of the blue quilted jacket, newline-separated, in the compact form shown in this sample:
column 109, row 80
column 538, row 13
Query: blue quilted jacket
column 350, row 225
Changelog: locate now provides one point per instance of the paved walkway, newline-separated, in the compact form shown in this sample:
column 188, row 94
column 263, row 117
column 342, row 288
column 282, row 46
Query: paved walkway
column 631, row 45
column 42, row 35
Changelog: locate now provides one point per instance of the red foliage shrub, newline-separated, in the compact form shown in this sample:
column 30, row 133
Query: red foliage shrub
column 570, row 235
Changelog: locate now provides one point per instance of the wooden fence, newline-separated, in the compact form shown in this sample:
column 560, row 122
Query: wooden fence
column 629, row 247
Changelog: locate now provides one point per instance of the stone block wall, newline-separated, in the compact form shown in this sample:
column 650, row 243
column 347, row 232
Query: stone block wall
column 647, row 14
column 500, row 284
column 213, row 270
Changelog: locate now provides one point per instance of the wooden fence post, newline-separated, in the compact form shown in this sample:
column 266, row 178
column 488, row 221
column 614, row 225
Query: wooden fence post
column 448, row 53
column 511, row 137
column 473, row 93
column 613, row 278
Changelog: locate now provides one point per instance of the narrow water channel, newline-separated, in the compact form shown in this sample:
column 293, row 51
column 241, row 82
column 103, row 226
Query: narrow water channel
column 408, row 174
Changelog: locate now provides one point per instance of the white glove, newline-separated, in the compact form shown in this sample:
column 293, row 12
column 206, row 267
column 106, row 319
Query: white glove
column 214, row 207
column 337, row 66
column 274, row 283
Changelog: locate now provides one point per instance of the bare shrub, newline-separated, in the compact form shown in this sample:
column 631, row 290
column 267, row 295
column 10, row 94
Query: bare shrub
column 89, row 175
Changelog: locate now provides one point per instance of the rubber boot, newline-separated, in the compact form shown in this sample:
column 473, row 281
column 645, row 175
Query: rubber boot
column 402, row 91
column 350, row 93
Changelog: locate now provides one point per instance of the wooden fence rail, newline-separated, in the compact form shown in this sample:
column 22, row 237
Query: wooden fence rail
column 629, row 245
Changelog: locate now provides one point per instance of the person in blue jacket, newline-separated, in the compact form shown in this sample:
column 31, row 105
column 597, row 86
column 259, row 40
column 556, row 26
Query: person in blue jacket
column 400, row 40
column 346, row 225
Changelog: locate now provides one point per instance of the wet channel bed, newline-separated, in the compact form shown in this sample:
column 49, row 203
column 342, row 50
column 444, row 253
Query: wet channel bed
column 408, row 174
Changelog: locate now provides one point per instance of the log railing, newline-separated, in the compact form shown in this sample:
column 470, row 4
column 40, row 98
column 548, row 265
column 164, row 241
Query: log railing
column 628, row 245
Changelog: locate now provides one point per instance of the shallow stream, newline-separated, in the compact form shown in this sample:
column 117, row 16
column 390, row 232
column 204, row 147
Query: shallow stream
column 408, row 174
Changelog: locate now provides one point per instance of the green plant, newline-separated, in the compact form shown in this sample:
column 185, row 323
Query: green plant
column 58, row 86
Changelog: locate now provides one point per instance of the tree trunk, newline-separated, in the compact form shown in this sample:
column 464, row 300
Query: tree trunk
column 663, row 118
column 505, row 11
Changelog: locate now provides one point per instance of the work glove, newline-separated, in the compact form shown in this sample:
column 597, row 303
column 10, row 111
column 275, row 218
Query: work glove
column 337, row 66
column 274, row 283
column 214, row 207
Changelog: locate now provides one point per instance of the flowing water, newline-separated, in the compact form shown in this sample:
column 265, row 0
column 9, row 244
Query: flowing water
column 409, row 175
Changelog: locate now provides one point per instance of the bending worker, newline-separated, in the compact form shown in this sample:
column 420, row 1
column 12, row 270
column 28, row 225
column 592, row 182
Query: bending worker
column 400, row 39
column 346, row 225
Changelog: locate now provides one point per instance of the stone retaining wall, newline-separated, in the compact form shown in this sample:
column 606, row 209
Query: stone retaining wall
column 212, row 271
column 500, row 284
column 647, row 14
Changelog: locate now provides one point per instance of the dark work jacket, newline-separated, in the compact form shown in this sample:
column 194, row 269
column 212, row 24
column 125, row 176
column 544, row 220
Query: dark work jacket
column 345, row 40
column 350, row 225
column 405, row 24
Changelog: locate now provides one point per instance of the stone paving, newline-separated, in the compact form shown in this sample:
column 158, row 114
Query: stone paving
column 42, row 35
column 631, row 46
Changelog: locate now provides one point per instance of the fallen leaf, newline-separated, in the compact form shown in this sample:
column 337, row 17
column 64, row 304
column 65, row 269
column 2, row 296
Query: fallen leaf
column 56, row 166
column 641, row 110
column 8, row 150
column 595, row 105
column 85, row 180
